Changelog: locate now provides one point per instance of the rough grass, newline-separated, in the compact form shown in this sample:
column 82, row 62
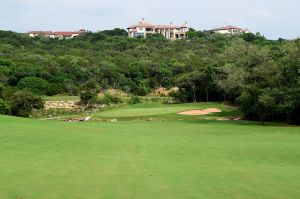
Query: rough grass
column 60, row 98
column 170, row 159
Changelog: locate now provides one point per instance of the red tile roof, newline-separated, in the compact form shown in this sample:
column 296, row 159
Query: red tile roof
column 143, row 24
column 41, row 32
column 167, row 26
column 63, row 33
column 66, row 34
column 229, row 27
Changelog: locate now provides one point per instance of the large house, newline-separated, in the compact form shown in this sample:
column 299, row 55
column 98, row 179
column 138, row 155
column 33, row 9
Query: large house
column 228, row 29
column 58, row 35
column 42, row 33
column 144, row 29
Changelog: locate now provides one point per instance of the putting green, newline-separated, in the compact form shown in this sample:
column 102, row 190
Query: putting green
column 155, row 109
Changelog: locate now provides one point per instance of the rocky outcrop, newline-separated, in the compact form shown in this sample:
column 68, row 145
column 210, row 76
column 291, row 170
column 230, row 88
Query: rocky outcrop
column 68, row 104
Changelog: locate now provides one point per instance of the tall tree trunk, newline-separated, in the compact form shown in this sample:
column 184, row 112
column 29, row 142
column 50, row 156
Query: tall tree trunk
column 261, row 114
column 206, row 89
column 262, row 121
column 194, row 94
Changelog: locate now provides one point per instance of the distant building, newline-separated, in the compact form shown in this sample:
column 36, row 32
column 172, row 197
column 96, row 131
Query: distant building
column 43, row 33
column 228, row 29
column 144, row 29
column 58, row 35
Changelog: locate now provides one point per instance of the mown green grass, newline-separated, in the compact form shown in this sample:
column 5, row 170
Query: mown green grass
column 140, row 159
column 165, row 112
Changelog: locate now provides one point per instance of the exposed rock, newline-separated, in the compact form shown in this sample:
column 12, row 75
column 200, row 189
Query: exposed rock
column 68, row 104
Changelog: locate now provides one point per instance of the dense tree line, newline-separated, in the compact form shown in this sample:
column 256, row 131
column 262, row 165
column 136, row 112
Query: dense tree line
column 260, row 75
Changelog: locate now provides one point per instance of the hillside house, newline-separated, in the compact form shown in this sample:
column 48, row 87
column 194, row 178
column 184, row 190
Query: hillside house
column 57, row 35
column 49, row 34
column 171, row 31
column 228, row 29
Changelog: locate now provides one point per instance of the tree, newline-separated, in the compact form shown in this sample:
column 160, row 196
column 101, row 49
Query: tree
column 5, row 69
column 86, row 97
column 246, row 68
column 157, row 39
column 107, row 74
column 88, row 93
column 190, row 81
column 116, row 32
column 23, row 103
column 259, row 102
column 230, row 79
column 192, row 34
column 1, row 91
column 265, row 105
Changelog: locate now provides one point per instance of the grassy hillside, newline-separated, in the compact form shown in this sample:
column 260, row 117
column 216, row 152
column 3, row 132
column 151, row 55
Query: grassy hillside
column 162, row 159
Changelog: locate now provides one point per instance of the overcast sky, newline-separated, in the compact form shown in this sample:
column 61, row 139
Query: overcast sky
column 273, row 18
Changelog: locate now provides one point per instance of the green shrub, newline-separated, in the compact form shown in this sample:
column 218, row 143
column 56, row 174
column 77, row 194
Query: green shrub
column 34, row 84
column 179, row 97
column 110, row 99
column 23, row 103
column 134, row 100
column 88, row 96
column 4, row 108
column 54, row 89
column 170, row 100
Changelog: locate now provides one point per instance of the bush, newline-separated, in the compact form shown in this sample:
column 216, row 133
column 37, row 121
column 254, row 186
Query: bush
column 179, row 97
column 88, row 96
column 110, row 99
column 4, row 108
column 134, row 100
column 54, row 89
column 170, row 100
column 34, row 84
column 23, row 103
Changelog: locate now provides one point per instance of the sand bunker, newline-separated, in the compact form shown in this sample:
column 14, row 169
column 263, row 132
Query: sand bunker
column 201, row 112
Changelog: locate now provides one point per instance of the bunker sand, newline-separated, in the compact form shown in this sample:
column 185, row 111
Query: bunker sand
column 201, row 112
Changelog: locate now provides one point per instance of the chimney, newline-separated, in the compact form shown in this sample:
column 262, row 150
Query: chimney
column 143, row 20
column 171, row 23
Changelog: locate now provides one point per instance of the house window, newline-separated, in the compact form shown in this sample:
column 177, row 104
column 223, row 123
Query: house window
column 136, row 34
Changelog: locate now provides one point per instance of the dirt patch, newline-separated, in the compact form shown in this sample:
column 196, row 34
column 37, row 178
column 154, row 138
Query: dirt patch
column 201, row 112
column 114, row 92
